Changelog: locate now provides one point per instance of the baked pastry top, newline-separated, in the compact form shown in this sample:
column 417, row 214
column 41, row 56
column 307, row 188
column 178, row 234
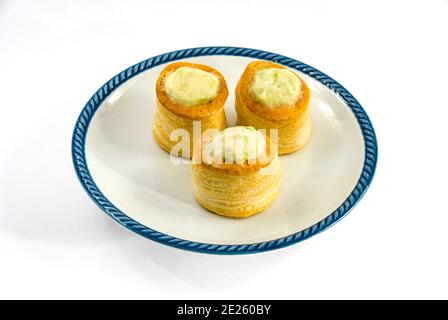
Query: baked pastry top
column 193, row 91
column 272, row 91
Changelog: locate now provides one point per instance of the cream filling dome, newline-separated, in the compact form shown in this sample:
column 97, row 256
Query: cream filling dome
column 235, row 145
column 275, row 87
column 191, row 86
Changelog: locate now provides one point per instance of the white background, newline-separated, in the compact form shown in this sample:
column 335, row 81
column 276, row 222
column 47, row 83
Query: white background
column 391, row 55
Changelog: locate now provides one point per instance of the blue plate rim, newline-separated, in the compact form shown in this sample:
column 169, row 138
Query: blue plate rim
column 92, row 105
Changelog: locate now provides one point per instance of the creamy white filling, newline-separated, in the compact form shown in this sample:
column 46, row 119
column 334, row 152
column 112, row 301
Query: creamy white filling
column 235, row 145
column 276, row 87
column 191, row 86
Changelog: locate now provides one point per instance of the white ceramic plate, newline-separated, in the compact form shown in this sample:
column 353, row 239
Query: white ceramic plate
column 133, row 180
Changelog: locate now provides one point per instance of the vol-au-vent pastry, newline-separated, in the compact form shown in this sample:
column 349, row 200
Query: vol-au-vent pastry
column 271, row 96
column 187, row 92
column 236, row 173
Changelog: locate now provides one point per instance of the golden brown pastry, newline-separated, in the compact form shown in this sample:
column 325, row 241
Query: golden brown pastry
column 187, row 92
column 270, row 96
column 235, row 173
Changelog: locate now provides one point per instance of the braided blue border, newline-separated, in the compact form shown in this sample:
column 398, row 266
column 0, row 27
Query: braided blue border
column 82, row 124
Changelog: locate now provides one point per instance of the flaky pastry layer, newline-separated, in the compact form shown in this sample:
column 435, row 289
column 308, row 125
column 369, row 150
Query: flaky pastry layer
column 165, row 122
column 236, row 195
